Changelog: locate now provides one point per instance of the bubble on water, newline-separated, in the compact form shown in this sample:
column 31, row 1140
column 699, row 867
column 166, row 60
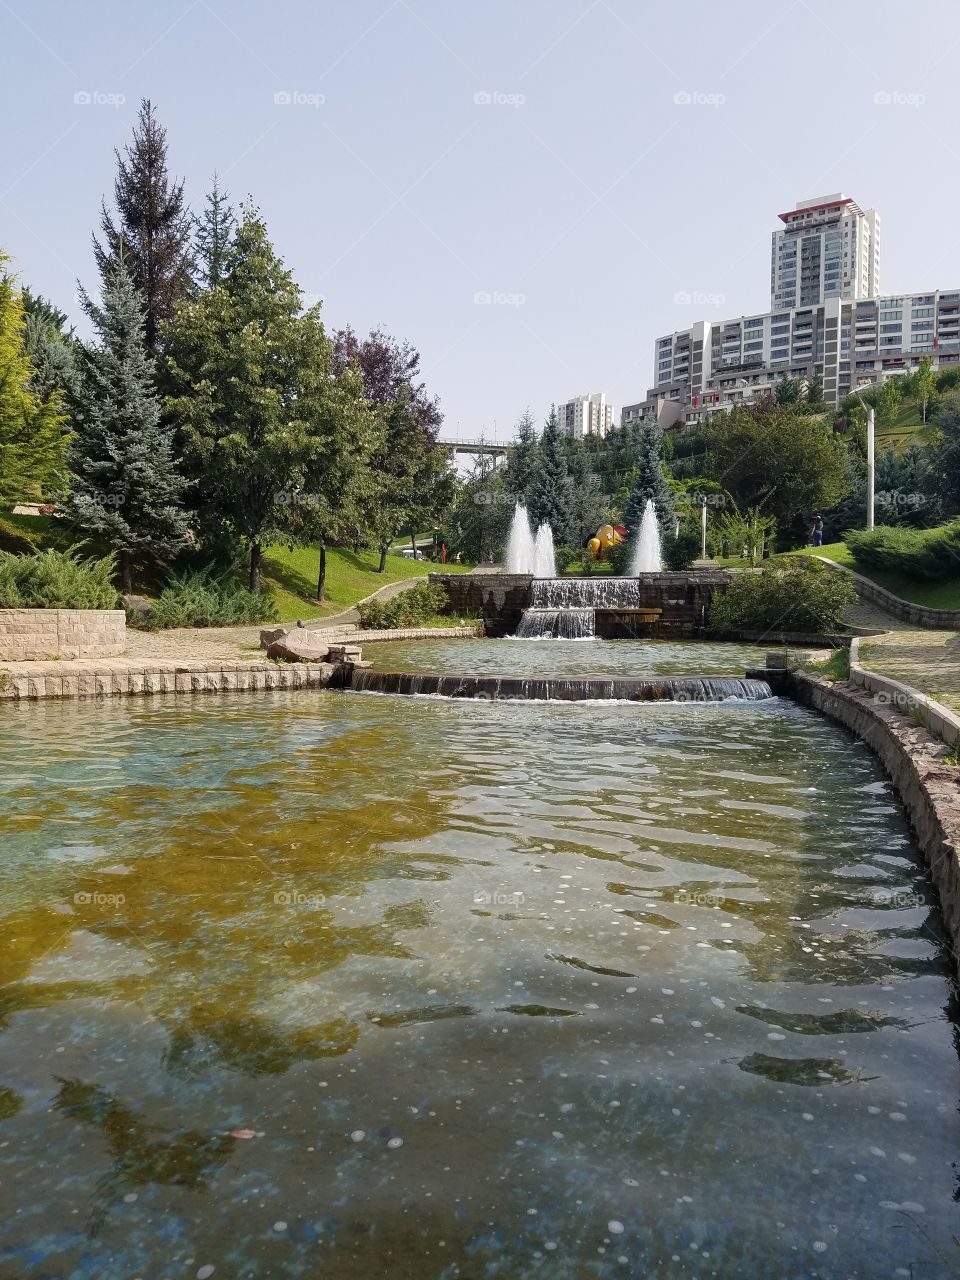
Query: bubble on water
column 878, row 1151
column 897, row 1115
column 358, row 1135
column 205, row 1272
column 614, row 1227
column 807, row 1115
column 395, row 1142
column 280, row 1226
column 775, row 1035
column 820, row 1246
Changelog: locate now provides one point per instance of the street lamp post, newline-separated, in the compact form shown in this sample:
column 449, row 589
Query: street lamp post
column 871, row 455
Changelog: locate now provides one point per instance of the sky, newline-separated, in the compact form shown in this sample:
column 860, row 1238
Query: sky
column 530, row 191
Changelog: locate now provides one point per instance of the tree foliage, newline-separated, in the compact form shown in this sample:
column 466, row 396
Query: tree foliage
column 550, row 496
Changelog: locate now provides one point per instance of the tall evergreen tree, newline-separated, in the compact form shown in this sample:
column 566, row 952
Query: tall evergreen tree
column 649, row 481
column 523, row 458
column 50, row 345
column 252, row 389
column 214, row 231
column 151, row 230
column 32, row 435
column 550, row 495
column 126, row 486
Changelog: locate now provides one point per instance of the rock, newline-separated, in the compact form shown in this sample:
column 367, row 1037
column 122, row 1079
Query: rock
column 137, row 608
column 345, row 653
column 299, row 646
column 271, row 634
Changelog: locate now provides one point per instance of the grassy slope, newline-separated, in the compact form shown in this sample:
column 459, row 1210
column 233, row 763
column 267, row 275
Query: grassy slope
column 291, row 576
column 937, row 595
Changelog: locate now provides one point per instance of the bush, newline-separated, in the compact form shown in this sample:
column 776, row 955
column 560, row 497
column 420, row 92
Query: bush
column 410, row 608
column 681, row 549
column 796, row 597
column 14, row 540
column 933, row 554
column 56, row 580
column 200, row 599
column 619, row 557
column 563, row 558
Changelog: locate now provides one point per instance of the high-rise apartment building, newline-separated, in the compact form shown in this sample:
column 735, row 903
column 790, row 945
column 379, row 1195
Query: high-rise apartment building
column 828, row 247
column 586, row 415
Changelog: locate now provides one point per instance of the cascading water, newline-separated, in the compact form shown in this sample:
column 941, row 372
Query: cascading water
column 585, row 593
column 520, row 553
column 646, row 554
column 544, row 565
column 556, row 624
column 575, row 689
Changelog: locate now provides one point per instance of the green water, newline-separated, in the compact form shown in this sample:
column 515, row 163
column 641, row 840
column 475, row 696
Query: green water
column 568, row 658
column 326, row 985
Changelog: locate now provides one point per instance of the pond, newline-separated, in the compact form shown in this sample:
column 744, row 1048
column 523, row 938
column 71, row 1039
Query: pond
column 319, row 984
column 568, row 658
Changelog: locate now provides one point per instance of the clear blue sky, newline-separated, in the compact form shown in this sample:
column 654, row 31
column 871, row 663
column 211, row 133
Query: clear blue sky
column 583, row 198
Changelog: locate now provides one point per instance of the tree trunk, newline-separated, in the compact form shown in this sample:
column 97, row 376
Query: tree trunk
column 383, row 560
column 322, row 573
column 255, row 566
column 126, row 576
column 413, row 543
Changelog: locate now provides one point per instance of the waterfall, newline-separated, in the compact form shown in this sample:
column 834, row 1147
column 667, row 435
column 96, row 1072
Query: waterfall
column 586, row 593
column 544, row 565
column 556, row 624
column 519, row 555
column 646, row 553
column 522, row 689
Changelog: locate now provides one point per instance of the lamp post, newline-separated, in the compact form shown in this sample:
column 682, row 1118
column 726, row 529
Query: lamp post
column 703, row 528
column 871, row 454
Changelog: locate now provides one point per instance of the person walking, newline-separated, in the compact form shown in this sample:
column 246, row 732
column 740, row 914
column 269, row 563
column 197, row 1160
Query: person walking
column 816, row 533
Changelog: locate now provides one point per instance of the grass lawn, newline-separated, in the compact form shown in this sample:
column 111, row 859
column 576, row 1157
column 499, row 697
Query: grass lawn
column 291, row 577
column 936, row 595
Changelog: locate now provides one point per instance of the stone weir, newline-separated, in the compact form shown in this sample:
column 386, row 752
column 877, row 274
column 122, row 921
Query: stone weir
column 655, row 605
column 533, row 689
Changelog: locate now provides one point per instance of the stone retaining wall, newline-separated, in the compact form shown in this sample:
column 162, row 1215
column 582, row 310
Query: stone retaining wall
column 107, row 680
column 35, row 634
column 917, row 614
column 940, row 720
column 914, row 759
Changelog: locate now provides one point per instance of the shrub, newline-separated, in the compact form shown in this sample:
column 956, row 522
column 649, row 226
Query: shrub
column 926, row 553
column 410, row 608
column 200, row 599
column 56, row 580
column 14, row 539
column 681, row 549
column 796, row 597
column 563, row 558
column 619, row 557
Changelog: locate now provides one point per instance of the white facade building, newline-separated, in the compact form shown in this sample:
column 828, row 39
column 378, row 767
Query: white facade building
column 828, row 247
column 833, row 325
column 586, row 415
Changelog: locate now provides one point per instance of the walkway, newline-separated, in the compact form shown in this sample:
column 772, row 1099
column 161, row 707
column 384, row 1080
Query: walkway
column 926, row 660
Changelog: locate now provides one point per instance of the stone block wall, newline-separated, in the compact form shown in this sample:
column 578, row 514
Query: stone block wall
column 498, row 598
column 31, row 635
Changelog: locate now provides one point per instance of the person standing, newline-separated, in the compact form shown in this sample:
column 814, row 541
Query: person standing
column 816, row 533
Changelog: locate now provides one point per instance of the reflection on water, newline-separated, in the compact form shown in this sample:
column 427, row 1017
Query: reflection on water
column 567, row 658
column 301, row 985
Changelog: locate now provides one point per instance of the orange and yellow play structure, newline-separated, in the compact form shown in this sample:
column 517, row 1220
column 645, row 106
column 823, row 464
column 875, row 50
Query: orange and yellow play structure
column 606, row 537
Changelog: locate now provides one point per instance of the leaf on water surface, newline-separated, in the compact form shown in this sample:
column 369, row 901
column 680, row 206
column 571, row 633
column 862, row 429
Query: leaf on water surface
column 429, row 1013
column 538, row 1011
column 576, row 963
column 802, row 1071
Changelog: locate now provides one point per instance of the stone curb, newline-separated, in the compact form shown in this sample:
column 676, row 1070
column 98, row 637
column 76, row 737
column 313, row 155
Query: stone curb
column 101, row 680
column 920, row 615
column 934, row 716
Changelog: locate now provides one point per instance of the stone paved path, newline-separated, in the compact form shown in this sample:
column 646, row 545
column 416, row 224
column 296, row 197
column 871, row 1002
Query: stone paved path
column 927, row 660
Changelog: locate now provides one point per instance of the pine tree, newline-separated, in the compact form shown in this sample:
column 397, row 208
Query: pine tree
column 50, row 345
column 153, row 225
column 523, row 459
column 214, row 231
column 649, row 481
column 32, row 435
column 126, row 486
column 550, row 495
column 258, row 406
